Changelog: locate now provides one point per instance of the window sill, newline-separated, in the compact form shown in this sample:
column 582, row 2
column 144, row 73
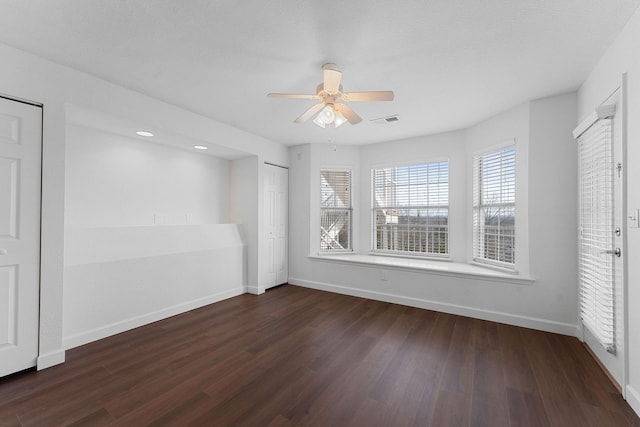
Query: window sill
column 430, row 266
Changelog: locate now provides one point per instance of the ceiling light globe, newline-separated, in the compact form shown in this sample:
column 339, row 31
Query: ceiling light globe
column 327, row 115
column 340, row 119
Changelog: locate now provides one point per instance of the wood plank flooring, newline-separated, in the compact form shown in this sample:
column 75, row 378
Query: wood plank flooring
column 297, row 357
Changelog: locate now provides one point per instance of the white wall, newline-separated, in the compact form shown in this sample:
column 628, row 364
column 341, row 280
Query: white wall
column 447, row 146
column 506, row 128
column 549, row 303
column 623, row 56
column 300, row 216
column 29, row 77
column 244, row 205
column 305, row 164
column 553, row 206
column 119, row 278
column 143, row 234
column 112, row 180
column 328, row 156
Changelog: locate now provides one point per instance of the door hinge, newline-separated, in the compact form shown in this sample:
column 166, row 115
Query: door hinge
column 619, row 168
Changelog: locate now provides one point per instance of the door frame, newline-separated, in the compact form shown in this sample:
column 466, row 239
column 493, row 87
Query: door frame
column 621, row 93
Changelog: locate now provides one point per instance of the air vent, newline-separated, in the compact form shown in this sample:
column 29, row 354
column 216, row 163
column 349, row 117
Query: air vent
column 384, row 120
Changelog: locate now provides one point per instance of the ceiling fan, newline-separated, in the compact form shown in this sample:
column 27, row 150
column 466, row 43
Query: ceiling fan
column 329, row 110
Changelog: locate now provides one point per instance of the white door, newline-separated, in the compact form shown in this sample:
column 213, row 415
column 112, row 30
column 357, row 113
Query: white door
column 276, row 183
column 605, row 205
column 20, row 147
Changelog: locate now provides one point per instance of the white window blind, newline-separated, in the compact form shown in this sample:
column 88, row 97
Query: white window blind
column 595, row 234
column 494, row 207
column 411, row 209
column 335, row 210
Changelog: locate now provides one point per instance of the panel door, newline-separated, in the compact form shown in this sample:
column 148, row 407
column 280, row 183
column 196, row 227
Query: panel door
column 275, row 225
column 20, row 148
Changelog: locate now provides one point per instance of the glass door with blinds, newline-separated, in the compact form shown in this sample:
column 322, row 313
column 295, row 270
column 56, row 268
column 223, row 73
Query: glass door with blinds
column 600, row 236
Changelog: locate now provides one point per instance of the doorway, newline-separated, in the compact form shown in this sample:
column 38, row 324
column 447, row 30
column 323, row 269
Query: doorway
column 601, row 236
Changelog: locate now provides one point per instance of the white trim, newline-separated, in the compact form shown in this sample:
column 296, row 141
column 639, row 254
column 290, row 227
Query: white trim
column 633, row 398
column 50, row 359
column 333, row 251
column 601, row 112
column 350, row 209
column 494, row 316
column 625, row 240
column 255, row 290
column 508, row 269
column 413, row 255
column 344, row 168
column 134, row 322
column 402, row 163
column 435, row 267
column 495, row 147
column 478, row 229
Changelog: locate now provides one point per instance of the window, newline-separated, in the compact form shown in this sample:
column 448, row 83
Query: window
column 335, row 210
column 411, row 209
column 494, row 207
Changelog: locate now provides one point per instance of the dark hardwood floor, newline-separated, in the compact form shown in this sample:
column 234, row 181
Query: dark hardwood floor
column 296, row 356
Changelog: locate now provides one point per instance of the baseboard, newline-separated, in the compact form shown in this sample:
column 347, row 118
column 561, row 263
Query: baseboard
column 255, row 290
column 50, row 359
column 125, row 325
column 633, row 398
column 494, row 316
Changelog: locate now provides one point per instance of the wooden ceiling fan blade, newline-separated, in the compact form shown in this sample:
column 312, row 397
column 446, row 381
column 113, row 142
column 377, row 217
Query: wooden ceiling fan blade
column 331, row 78
column 348, row 113
column 292, row 95
column 309, row 113
column 381, row 95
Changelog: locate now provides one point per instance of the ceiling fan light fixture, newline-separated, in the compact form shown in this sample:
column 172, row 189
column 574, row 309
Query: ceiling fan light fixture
column 318, row 122
column 340, row 119
column 327, row 115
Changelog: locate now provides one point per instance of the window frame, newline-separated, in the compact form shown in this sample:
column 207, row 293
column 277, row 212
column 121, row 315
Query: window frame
column 429, row 228
column 478, row 206
column 348, row 210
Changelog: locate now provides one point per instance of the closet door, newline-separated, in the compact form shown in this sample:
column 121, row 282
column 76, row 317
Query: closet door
column 20, row 147
column 276, row 188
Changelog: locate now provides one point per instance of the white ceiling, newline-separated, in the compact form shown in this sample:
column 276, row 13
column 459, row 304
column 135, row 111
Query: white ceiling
column 451, row 63
column 83, row 117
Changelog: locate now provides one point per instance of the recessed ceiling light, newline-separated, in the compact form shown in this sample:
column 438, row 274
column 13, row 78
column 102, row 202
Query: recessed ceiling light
column 200, row 147
column 144, row 133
